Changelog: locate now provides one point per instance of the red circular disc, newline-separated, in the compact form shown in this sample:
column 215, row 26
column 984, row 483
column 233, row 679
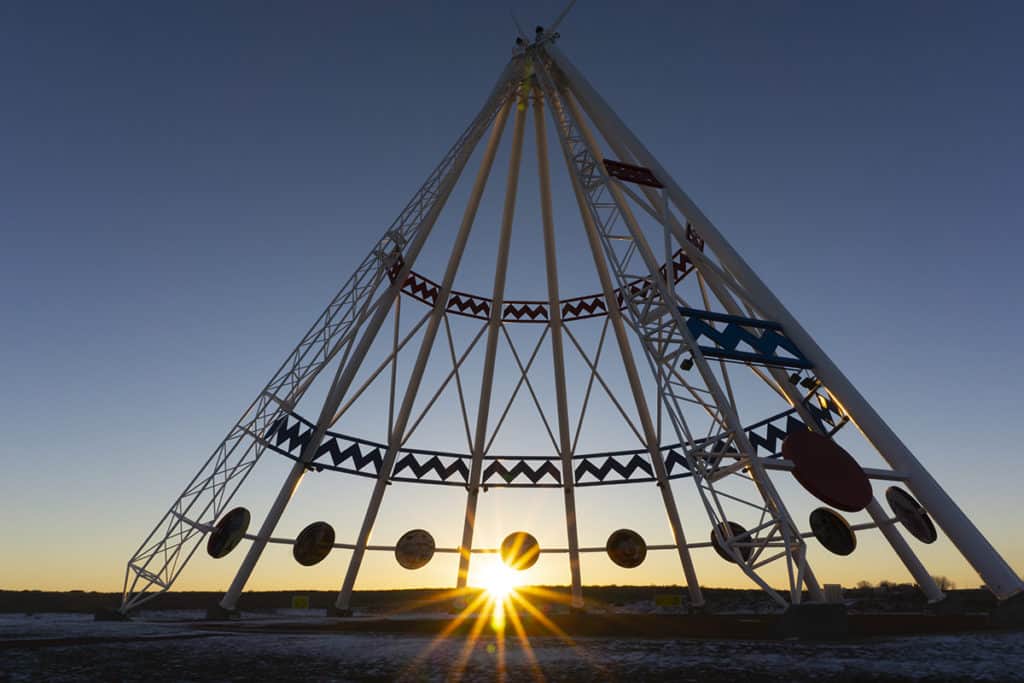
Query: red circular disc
column 825, row 469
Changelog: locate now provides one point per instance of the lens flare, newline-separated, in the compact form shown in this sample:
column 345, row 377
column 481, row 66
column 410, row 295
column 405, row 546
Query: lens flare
column 497, row 597
column 499, row 581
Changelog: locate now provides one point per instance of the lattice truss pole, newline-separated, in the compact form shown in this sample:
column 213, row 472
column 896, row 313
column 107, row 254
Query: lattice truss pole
column 164, row 553
column 654, row 315
column 768, row 325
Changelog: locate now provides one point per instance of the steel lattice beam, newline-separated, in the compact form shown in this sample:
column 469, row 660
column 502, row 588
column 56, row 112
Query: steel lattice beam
column 163, row 554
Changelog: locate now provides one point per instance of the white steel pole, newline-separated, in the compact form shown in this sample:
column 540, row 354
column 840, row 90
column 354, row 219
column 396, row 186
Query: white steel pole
column 999, row 577
column 342, row 381
column 772, row 499
column 721, row 290
column 925, row 580
column 337, row 327
column 557, row 351
column 493, row 335
column 412, row 388
column 344, row 377
column 628, row 362
column 338, row 387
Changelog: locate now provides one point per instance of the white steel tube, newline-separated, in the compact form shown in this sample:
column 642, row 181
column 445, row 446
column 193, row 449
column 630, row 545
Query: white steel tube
column 557, row 351
column 412, row 387
column 490, row 352
column 899, row 544
column 629, row 363
column 721, row 291
column 342, row 381
column 999, row 577
column 764, row 485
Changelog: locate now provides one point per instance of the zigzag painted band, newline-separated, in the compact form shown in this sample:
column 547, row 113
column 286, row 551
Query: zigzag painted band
column 771, row 347
column 363, row 458
column 577, row 308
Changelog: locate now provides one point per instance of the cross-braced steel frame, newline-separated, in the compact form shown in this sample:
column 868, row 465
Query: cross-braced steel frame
column 696, row 311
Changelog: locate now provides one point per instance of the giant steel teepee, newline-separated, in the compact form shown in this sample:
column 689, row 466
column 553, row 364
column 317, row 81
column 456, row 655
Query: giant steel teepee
column 681, row 312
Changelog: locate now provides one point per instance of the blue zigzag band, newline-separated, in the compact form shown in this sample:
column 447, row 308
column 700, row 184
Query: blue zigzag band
column 737, row 331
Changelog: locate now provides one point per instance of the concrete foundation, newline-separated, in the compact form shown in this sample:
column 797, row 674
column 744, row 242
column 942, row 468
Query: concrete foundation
column 218, row 613
column 1009, row 613
column 951, row 604
column 107, row 614
column 333, row 611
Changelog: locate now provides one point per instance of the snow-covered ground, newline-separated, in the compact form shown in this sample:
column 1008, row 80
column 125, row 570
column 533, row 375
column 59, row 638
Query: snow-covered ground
column 65, row 647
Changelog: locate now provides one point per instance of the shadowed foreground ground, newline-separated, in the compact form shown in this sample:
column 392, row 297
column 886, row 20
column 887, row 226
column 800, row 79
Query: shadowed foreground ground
column 42, row 638
column 63, row 647
column 898, row 597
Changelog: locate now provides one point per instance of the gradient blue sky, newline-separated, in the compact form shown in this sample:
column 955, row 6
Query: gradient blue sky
column 183, row 187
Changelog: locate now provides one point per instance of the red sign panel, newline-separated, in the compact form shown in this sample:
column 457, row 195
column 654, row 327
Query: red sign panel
column 631, row 174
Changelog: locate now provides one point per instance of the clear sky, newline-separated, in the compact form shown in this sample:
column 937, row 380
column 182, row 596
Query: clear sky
column 184, row 186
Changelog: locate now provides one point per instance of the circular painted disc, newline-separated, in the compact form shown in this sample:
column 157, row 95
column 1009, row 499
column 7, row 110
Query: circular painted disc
column 414, row 549
column 313, row 544
column 908, row 512
column 520, row 550
column 833, row 531
column 736, row 530
column 827, row 471
column 626, row 548
column 228, row 533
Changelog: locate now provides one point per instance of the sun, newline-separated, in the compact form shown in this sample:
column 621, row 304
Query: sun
column 505, row 603
column 499, row 581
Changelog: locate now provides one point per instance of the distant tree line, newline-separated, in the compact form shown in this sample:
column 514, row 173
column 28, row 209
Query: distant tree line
column 943, row 582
